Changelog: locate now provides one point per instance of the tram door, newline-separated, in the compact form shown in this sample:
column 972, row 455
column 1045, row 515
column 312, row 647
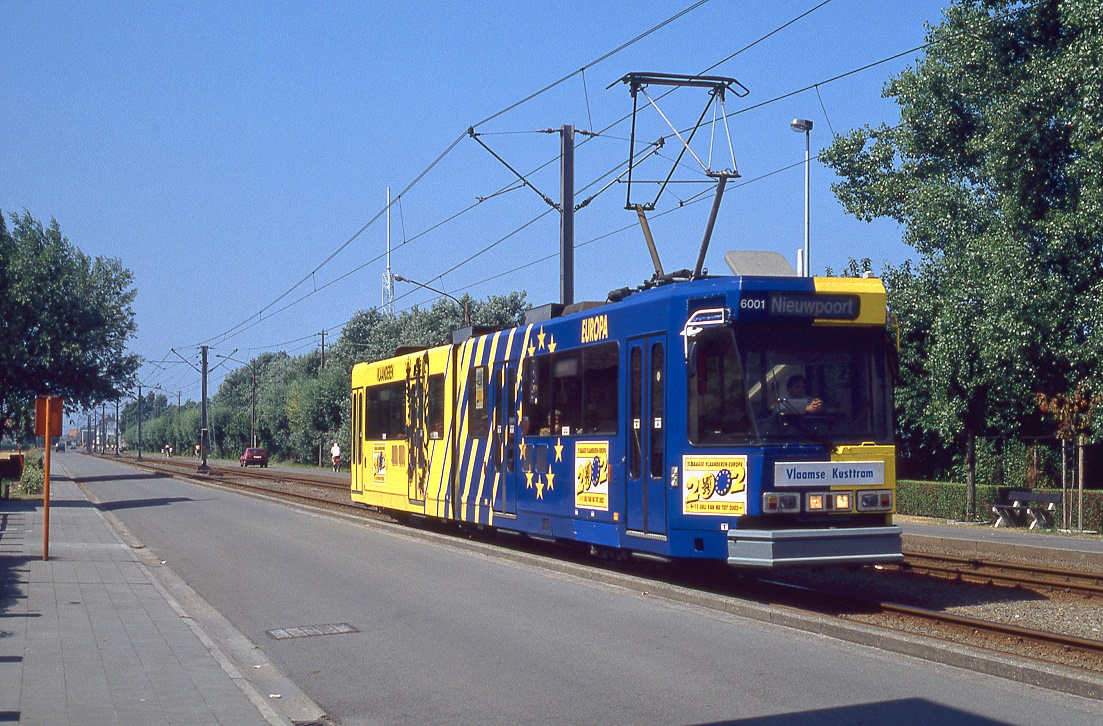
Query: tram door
column 504, row 456
column 356, row 462
column 646, row 487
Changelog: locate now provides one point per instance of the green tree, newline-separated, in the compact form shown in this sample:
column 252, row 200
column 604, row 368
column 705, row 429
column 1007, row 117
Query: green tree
column 992, row 174
column 65, row 320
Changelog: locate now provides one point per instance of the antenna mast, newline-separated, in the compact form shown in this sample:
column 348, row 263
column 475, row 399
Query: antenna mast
column 388, row 278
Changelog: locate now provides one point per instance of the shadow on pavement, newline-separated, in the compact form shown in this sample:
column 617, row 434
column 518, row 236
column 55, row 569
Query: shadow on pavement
column 113, row 477
column 137, row 503
column 903, row 711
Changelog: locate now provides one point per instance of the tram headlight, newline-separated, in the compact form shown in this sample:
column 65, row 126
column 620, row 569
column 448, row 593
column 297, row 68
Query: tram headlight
column 780, row 502
column 829, row 501
column 875, row 500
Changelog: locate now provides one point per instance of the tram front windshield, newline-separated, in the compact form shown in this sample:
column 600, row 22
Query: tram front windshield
column 792, row 383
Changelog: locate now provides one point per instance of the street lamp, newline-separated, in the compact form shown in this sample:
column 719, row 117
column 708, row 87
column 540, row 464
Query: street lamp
column 253, row 369
column 799, row 125
column 462, row 304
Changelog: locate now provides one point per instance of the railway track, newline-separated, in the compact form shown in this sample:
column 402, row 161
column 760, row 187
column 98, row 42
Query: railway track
column 1039, row 645
column 1003, row 573
column 187, row 467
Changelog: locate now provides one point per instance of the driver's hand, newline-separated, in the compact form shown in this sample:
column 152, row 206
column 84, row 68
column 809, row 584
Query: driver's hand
column 815, row 406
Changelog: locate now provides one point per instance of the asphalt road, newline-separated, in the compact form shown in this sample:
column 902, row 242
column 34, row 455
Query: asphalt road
column 449, row 636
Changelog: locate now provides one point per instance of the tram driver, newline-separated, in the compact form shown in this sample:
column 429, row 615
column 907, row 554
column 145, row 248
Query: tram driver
column 798, row 398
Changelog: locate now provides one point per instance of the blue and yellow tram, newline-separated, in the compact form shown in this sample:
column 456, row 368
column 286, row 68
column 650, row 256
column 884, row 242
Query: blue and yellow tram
column 745, row 419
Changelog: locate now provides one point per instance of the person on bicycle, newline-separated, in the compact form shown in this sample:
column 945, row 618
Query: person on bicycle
column 335, row 456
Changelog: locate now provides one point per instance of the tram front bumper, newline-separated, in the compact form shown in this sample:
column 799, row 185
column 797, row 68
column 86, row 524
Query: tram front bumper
column 803, row 547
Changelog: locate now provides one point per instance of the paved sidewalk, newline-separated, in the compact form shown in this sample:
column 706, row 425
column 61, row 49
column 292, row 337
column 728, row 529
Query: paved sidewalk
column 89, row 638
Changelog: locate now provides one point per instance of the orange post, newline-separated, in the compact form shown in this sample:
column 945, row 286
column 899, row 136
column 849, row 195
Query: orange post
column 46, row 494
column 47, row 423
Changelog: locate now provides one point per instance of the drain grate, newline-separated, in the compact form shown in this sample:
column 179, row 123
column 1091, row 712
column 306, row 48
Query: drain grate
column 309, row 631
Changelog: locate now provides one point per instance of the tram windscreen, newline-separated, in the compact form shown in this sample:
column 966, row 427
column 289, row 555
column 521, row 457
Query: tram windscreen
column 775, row 383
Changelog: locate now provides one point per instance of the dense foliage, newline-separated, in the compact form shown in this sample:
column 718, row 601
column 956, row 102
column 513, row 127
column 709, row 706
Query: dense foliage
column 65, row 320
column 993, row 175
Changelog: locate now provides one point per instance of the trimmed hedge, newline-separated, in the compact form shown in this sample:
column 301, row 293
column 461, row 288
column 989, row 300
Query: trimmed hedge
column 34, row 475
column 946, row 500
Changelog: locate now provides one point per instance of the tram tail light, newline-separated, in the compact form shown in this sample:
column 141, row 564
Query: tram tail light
column 783, row 502
column 842, row 502
column 877, row 500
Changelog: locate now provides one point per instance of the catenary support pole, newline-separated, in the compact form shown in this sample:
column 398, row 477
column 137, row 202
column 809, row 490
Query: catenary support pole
column 203, row 437
column 566, row 223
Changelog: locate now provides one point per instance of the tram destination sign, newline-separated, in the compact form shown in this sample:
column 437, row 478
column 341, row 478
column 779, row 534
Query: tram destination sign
column 828, row 473
column 797, row 305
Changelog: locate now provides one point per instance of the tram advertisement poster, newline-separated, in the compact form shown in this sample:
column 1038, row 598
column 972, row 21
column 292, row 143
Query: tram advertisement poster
column 591, row 475
column 379, row 463
column 714, row 485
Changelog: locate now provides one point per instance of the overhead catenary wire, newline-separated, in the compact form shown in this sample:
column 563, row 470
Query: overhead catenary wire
column 259, row 316
column 691, row 200
column 224, row 335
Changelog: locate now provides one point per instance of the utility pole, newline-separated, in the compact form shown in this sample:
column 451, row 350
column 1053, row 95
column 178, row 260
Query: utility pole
column 139, row 422
column 253, row 428
column 88, row 440
column 388, row 278
column 566, row 217
column 322, row 368
column 203, row 440
column 116, row 428
column 103, row 427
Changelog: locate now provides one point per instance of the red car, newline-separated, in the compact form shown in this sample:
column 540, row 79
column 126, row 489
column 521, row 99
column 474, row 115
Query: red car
column 257, row 457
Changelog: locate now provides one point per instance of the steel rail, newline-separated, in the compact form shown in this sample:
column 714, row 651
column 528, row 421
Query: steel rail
column 1088, row 583
column 184, row 465
column 1094, row 647
column 218, row 476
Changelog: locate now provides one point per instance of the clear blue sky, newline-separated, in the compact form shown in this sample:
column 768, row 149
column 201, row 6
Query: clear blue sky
column 223, row 151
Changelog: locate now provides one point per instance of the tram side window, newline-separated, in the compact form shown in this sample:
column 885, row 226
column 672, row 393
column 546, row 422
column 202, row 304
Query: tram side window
column 568, row 394
column 478, row 402
column 436, row 406
column 385, row 412
column 599, row 393
column 717, row 401
column 536, row 396
column 553, row 387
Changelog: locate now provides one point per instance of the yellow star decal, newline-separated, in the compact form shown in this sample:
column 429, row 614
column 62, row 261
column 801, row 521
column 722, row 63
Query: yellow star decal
column 528, row 480
column 551, row 481
column 540, row 337
column 551, row 345
column 532, row 349
column 558, row 449
column 539, row 488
